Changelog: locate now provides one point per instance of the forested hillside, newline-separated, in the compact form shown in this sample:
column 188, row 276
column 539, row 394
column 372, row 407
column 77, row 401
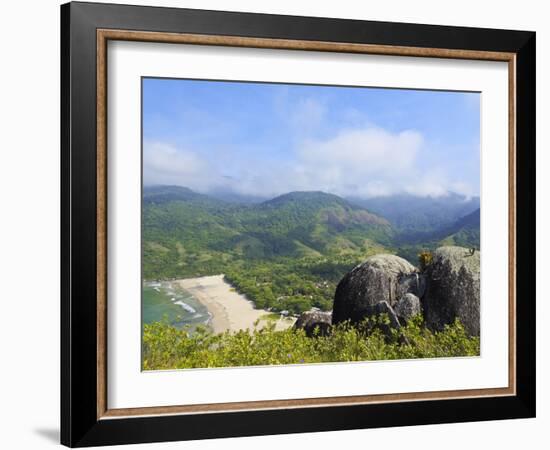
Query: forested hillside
column 410, row 214
column 464, row 232
column 287, row 253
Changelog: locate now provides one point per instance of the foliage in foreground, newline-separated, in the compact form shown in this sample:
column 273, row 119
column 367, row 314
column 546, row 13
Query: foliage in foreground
column 167, row 347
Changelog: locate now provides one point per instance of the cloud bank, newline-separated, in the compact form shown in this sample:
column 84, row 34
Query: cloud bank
column 266, row 140
column 360, row 162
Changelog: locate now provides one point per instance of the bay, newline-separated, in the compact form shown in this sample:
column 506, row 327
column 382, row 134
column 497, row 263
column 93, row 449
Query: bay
column 165, row 301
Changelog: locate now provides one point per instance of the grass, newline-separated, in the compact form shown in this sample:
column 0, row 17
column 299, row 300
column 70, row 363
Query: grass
column 271, row 317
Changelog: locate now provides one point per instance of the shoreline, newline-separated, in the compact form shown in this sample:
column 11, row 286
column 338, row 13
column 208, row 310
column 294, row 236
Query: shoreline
column 229, row 310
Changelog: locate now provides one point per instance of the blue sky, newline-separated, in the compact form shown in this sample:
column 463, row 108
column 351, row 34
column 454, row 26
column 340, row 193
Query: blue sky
column 267, row 139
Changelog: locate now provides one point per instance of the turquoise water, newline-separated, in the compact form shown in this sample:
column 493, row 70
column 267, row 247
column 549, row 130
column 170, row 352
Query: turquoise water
column 166, row 301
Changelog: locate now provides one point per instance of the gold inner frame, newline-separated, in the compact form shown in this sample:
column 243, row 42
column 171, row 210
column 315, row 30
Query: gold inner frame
column 104, row 35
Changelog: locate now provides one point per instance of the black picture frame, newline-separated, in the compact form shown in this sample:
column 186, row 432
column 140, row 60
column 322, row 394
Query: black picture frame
column 80, row 425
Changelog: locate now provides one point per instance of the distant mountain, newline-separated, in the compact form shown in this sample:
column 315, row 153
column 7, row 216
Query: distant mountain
column 289, row 252
column 410, row 214
column 464, row 232
column 181, row 225
column 165, row 194
column 310, row 197
column 233, row 197
column 321, row 221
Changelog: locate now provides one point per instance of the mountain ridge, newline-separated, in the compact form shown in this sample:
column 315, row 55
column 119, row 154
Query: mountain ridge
column 304, row 239
column 411, row 214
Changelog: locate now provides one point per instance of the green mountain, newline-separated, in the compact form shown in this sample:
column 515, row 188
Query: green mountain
column 303, row 239
column 413, row 215
column 285, row 253
column 465, row 232
column 292, row 225
column 166, row 194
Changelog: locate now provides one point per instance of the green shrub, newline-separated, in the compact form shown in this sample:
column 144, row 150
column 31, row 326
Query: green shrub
column 167, row 347
column 425, row 258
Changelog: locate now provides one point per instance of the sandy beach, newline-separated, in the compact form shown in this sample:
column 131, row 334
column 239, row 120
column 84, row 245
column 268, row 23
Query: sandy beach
column 229, row 310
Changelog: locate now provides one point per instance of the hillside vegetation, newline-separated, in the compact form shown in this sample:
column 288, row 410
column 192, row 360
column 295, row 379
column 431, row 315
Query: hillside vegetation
column 287, row 253
column 410, row 214
column 166, row 347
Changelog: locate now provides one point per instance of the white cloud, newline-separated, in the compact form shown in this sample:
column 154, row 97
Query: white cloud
column 427, row 183
column 166, row 164
column 168, row 160
column 307, row 115
column 367, row 161
column 367, row 151
column 363, row 161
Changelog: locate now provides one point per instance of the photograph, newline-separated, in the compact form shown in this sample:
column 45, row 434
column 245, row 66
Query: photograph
column 300, row 224
column 280, row 223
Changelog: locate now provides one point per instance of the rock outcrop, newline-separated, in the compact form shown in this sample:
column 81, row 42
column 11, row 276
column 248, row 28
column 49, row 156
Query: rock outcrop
column 310, row 320
column 381, row 308
column 452, row 289
column 446, row 290
column 407, row 307
column 381, row 278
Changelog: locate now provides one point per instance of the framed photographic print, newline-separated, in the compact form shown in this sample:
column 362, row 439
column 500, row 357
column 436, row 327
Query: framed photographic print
column 276, row 224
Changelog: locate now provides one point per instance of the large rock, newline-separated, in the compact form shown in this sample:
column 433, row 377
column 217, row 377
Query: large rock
column 310, row 320
column 381, row 308
column 407, row 307
column 381, row 278
column 414, row 283
column 452, row 289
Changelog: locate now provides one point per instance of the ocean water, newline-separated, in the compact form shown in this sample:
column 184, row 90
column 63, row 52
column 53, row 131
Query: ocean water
column 165, row 300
